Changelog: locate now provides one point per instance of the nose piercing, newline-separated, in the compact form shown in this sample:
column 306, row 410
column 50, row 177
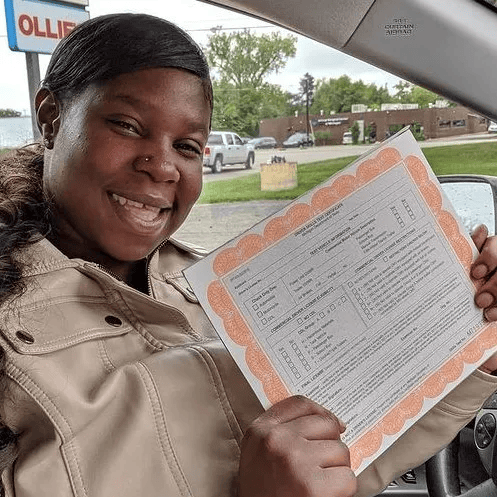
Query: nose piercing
column 147, row 159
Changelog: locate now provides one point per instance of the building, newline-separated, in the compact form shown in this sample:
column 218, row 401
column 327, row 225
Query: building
column 328, row 130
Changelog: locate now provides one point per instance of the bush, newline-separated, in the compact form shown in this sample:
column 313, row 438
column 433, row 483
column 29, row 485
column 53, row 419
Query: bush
column 323, row 138
column 418, row 131
column 354, row 129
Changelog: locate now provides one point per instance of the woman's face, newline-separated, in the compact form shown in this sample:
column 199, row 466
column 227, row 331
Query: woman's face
column 126, row 166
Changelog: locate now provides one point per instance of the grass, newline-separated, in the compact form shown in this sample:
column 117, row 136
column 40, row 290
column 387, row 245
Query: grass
column 473, row 158
column 477, row 158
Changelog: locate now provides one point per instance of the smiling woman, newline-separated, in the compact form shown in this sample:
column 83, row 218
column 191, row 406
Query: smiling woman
column 132, row 152
column 113, row 381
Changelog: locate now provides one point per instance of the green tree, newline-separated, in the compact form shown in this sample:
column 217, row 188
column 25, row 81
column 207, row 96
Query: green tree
column 412, row 94
column 354, row 129
column 305, row 95
column 246, row 59
column 339, row 94
column 241, row 109
column 9, row 113
column 241, row 63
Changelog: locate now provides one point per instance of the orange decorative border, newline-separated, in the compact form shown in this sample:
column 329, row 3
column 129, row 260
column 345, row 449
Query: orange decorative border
column 277, row 228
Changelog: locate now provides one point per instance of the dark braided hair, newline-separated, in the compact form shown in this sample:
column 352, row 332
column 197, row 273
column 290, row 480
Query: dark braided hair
column 95, row 52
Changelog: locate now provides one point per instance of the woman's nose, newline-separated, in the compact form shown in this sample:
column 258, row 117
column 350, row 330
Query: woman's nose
column 158, row 164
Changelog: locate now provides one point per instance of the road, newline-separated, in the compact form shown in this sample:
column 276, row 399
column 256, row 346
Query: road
column 212, row 225
column 314, row 154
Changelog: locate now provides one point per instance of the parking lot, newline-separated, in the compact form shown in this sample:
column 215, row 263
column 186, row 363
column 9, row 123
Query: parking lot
column 314, row 154
column 211, row 225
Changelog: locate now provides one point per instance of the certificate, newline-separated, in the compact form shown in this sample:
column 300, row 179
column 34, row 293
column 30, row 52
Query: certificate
column 356, row 295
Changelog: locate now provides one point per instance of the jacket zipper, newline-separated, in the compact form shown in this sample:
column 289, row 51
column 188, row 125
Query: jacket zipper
column 149, row 283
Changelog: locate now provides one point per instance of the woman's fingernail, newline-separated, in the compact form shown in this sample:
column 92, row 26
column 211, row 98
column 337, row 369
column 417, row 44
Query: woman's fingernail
column 491, row 314
column 485, row 299
column 479, row 271
column 342, row 425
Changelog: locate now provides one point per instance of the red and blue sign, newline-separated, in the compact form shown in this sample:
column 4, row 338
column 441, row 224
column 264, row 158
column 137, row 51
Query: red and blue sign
column 38, row 25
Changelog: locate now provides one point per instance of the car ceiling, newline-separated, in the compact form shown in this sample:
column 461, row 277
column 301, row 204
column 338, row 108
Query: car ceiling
column 450, row 49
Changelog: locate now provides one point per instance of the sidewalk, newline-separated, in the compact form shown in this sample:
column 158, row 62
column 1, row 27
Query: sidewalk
column 211, row 225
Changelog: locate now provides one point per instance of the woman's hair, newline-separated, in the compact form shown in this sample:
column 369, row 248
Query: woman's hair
column 105, row 47
column 95, row 52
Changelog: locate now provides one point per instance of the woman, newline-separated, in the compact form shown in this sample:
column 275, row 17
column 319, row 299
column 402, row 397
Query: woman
column 114, row 381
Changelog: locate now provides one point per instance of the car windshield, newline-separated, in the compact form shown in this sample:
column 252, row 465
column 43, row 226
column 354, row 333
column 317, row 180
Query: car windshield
column 215, row 139
column 296, row 88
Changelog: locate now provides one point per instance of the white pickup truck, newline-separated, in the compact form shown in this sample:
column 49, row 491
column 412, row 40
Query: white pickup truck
column 225, row 147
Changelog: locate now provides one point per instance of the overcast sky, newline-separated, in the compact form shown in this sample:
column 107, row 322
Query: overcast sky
column 197, row 18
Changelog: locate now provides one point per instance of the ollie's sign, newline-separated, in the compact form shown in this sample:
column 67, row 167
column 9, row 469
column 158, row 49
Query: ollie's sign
column 38, row 25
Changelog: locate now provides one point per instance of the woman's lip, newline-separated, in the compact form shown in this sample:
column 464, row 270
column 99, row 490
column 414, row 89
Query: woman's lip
column 141, row 220
column 144, row 199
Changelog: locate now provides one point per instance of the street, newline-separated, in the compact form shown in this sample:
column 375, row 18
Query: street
column 314, row 154
column 211, row 225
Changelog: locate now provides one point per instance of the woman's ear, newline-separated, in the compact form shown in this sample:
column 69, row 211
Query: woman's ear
column 48, row 116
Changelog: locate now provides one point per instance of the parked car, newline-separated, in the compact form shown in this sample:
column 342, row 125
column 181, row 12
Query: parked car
column 492, row 127
column 298, row 139
column 226, row 148
column 347, row 138
column 264, row 142
column 427, row 43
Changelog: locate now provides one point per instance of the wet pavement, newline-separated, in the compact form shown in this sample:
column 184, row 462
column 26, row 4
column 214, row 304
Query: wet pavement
column 212, row 225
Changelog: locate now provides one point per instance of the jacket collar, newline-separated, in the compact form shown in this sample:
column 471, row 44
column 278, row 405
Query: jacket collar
column 43, row 257
column 166, row 263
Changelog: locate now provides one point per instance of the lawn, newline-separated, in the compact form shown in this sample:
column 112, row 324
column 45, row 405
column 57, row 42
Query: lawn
column 477, row 158
column 473, row 158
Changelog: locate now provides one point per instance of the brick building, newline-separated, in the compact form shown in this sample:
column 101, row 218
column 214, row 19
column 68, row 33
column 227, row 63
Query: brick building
column 435, row 123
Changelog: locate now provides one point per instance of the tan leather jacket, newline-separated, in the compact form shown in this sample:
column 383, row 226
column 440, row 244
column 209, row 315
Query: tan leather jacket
column 117, row 393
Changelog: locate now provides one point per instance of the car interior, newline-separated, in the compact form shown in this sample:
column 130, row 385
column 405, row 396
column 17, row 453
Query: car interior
column 450, row 48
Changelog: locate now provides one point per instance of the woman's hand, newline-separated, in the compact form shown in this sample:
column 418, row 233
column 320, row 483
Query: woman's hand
column 294, row 449
column 484, row 272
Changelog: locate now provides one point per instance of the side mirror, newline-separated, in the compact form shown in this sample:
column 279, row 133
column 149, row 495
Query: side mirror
column 474, row 198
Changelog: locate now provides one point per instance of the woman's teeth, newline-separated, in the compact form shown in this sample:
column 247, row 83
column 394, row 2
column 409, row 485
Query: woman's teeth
column 131, row 203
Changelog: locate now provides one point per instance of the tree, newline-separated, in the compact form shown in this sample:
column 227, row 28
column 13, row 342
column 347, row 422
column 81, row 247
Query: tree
column 339, row 94
column 241, row 64
column 413, row 94
column 9, row 113
column 305, row 94
column 245, row 59
column 241, row 109
column 354, row 129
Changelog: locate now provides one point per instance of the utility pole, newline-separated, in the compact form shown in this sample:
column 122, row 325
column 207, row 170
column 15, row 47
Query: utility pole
column 307, row 107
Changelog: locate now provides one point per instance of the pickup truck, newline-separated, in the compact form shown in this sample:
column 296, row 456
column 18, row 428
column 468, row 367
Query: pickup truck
column 225, row 147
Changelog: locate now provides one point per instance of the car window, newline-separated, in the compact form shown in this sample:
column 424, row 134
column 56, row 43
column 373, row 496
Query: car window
column 215, row 139
column 437, row 121
column 238, row 141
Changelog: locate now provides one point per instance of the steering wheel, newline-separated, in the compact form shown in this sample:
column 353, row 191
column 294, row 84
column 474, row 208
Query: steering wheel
column 442, row 470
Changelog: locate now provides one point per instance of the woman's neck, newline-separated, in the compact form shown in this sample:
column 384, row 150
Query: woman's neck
column 134, row 273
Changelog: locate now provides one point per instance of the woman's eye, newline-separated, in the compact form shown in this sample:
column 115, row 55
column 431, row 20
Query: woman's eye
column 190, row 148
column 125, row 126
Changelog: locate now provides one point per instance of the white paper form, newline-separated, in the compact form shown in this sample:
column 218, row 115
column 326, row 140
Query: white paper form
column 357, row 296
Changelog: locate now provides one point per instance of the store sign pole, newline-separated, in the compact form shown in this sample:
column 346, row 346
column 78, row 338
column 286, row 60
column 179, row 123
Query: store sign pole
column 33, row 68
column 36, row 26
